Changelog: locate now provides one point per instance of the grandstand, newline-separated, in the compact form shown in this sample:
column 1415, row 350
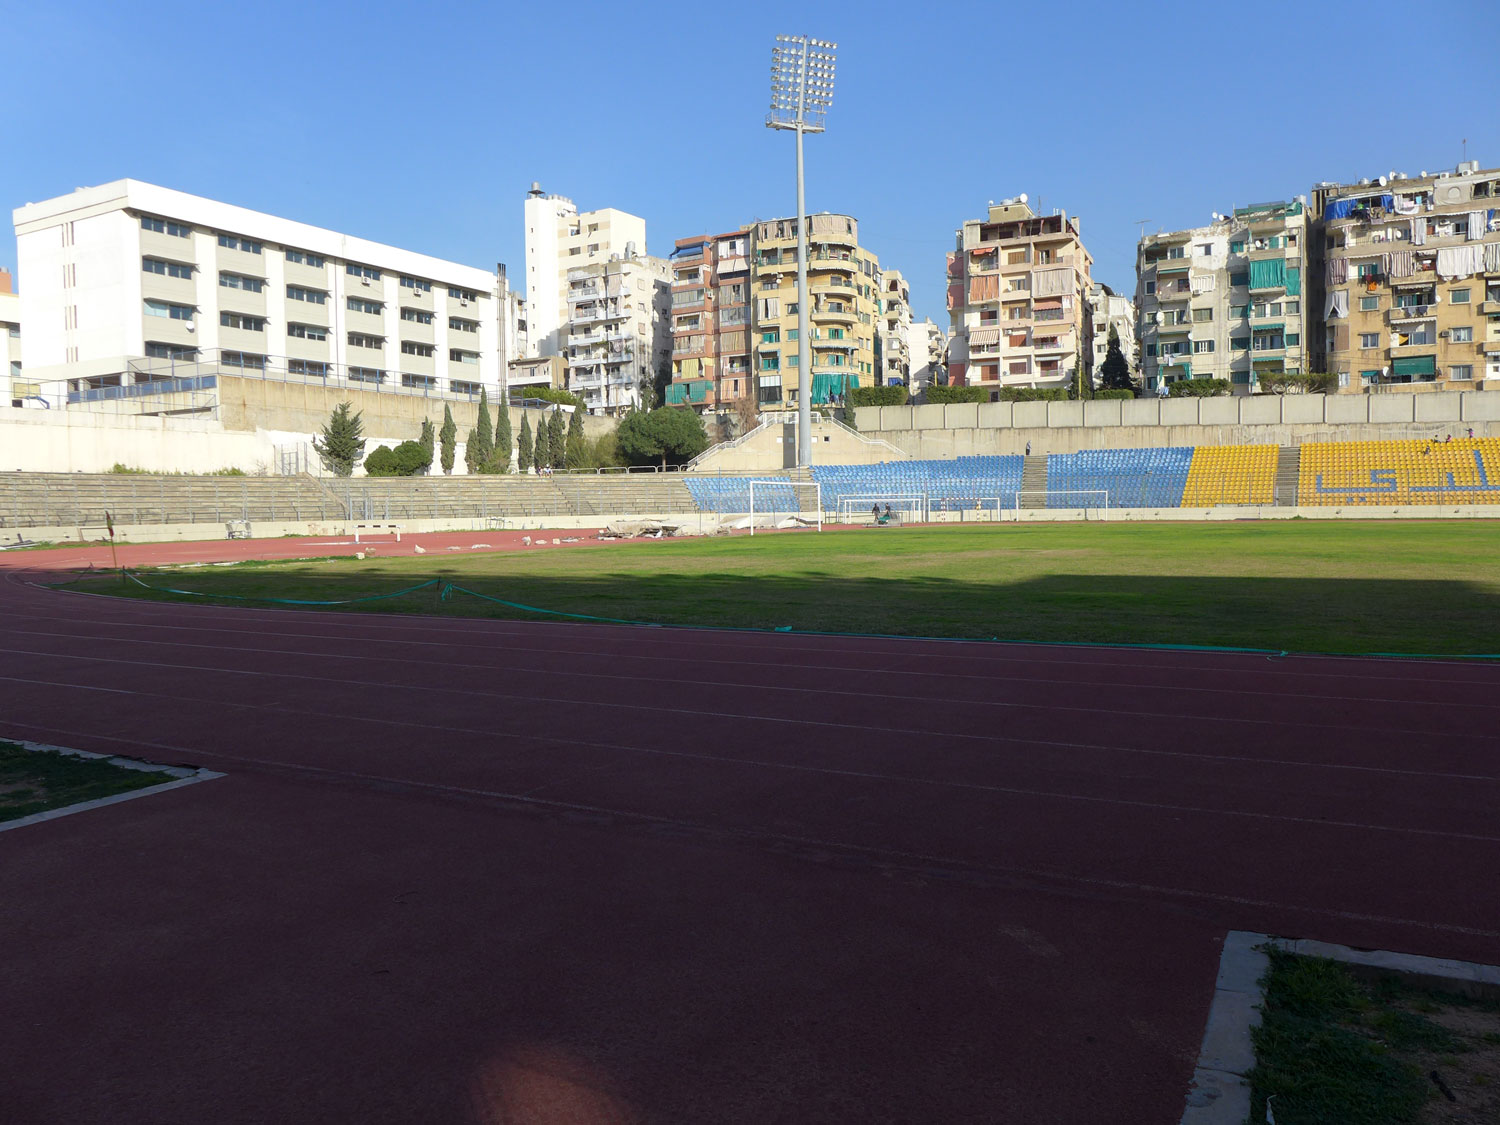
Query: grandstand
column 1231, row 474
column 963, row 483
column 1462, row 471
column 1129, row 478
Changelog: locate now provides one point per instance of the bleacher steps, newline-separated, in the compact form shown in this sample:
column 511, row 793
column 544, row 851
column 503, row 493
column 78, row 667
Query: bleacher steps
column 1034, row 481
column 1288, row 467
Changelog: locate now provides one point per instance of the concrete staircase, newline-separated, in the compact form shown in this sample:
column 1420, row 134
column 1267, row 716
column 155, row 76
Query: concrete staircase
column 1034, row 482
column 1288, row 467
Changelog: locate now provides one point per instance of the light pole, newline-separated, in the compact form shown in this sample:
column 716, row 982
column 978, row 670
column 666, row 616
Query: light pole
column 801, row 93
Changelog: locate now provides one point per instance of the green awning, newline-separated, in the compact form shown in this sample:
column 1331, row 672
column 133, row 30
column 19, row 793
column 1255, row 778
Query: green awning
column 1294, row 283
column 1267, row 327
column 1268, row 273
column 1414, row 365
column 1179, row 265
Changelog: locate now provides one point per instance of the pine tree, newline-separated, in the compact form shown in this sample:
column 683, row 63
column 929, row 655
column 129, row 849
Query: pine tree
column 504, row 442
column 447, row 440
column 480, row 448
column 1114, row 372
column 523, row 444
column 427, row 442
column 556, row 441
column 576, row 450
column 343, row 444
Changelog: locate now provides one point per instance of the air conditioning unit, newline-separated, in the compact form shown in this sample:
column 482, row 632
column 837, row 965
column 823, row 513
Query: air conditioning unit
column 365, row 281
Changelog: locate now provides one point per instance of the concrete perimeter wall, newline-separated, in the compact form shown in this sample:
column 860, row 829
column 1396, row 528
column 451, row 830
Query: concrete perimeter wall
column 954, row 430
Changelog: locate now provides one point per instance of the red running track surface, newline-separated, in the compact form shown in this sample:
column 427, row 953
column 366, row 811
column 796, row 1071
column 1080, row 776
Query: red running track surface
column 487, row 871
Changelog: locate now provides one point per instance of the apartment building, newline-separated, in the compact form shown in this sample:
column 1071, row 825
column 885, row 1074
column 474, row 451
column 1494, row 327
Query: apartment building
column 1407, row 277
column 1018, row 285
column 128, row 282
column 11, row 391
column 1109, row 310
column 618, row 335
column 536, row 371
column 1225, row 301
column 711, row 369
column 893, row 331
column 843, row 284
column 929, row 353
column 560, row 238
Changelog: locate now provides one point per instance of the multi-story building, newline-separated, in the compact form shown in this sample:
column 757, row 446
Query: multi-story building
column 535, row 371
column 129, row 280
column 1407, row 279
column 1018, row 285
column 618, row 335
column 843, row 284
column 10, row 343
column 558, row 239
column 929, row 353
column 711, row 369
column 1109, row 310
column 1225, row 301
column 893, row 331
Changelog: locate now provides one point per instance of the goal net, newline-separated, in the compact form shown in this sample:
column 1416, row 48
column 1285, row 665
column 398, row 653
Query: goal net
column 873, row 509
column 785, row 503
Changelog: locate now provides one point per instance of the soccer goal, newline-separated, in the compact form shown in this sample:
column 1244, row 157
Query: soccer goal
column 1085, row 498
column 872, row 509
column 777, row 501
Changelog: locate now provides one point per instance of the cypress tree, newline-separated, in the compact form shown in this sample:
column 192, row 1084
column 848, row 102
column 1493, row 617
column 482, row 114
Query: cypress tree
column 541, row 455
column 480, row 448
column 556, row 441
column 1114, row 372
column 447, row 440
column 576, row 451
column 504, row 442
column 523, row 443
column 428, row 442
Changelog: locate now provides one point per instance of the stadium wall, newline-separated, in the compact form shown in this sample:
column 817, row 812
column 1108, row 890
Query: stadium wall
column 964, row 429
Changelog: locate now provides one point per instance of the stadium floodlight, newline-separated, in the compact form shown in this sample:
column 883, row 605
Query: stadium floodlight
column 801, row 96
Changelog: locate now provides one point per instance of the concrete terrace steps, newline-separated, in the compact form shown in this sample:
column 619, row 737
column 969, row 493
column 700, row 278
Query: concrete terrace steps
column 1288, row 469
column 1034, row 481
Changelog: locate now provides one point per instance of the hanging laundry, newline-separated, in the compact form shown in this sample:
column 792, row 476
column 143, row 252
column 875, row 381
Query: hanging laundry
column 1400, row 263
column 1419, row 231
column 1492, row 257
column 1203, row 282
column 1051, row 283
column 1405, row 206
column 1478, row 221
column 1337, row 304
column 1459, row 261
column 1337, row 270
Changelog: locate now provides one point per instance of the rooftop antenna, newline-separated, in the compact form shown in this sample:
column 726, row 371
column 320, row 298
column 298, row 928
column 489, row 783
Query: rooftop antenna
column 1141, row 233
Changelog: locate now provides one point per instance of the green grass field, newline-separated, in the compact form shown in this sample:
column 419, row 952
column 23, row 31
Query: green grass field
column 1324, row 586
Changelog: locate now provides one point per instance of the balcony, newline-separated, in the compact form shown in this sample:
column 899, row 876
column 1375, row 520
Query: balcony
column 843, row 316
column 1489, row 308
column 1410, row 312
column 586, row 341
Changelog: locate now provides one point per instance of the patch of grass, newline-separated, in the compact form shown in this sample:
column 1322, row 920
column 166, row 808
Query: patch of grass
column 1310, row 586
column 36, row 781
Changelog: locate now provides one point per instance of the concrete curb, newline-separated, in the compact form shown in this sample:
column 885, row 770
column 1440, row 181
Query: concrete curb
column 180, row 777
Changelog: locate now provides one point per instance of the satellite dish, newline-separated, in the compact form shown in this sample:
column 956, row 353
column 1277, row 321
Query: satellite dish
column 188, row 324
column 1022, row 197
column 1382, row 181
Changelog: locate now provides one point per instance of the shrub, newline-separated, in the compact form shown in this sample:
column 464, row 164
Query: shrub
column 546, row 394
column 957, row 394
column 1199, row 388
column 1118, row 394
column 876, row 396
column 1034, row 394
column 406, row 460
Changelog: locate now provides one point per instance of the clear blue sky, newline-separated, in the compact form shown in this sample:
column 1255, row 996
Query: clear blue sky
column 422, row 125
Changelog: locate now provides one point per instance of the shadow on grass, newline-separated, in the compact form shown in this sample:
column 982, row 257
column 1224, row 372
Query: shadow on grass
column 1354, row 615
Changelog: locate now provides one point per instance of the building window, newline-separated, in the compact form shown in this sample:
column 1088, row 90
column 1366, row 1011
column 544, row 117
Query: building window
column 242, row 359
column 1293, row 339
column 303, row 258
column 1293, row 308
column 1463, row 334
column 463, row 387
column 1458, row 296
column 409, row 347
column 1150, row 288
column 1239, row 343
column 242, row 321
column 1237, row 246
column 369, row 273
column 460, row 325
column 312, row 296
column 162, row 226
column 417, row 316
column 1369, row 339
column 462, row 294
column 359, row 304
column 1205, row 249
column 360, row 340
column 366, row 375
column 1462, row 372
column 457, row 355
column 419, row 382
column 1267, row 342
column 1239, row 280
column 233, row 242
column 173, row 312
column 1174, row 252
column 307, row 331
column 1203, row 316
column 13, row 331
column 307, row 367
column 169, row 351
column 239, row 281
column 1202, row 347
column 416, row 283
column 166, row 269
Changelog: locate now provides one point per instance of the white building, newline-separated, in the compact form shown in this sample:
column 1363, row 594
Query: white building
column 619, row 331
column 1110, row 310
column 559, row 239
column 893, row 335
column 128, row 281
column 10, row 342
column 929, row 352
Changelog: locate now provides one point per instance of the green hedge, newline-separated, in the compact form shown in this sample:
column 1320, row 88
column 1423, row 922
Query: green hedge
column 547, row 394
column 876, row 396
column 1198, row 388
column 957, row 394
column 1034, row 394
column 406, row 460
column 1120, row 394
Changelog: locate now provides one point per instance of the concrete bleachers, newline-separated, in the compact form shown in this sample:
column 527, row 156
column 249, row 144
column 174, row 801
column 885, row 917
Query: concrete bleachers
column 1230, row 474
column 1461, row 471
column 1130, row 478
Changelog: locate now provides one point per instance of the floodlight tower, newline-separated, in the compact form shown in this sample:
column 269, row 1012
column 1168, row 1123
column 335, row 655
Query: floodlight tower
column 801, row 93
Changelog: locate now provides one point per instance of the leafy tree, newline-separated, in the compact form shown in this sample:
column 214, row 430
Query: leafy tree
column 557, row 441
column 1199, row 388
column 663, row 434
column 957, row 394
column 1082, row 386
column 1114, row 372
column 523, row 443
column 428, row 442
column 343, row 444
column 447, row 440
column 576, row 451
column 876, row 396
column 479, row 450
column 547, row 394
column 406, row 460
column 504, row 441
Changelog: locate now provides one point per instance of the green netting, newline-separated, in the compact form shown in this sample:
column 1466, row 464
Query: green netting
column 1294, row 283
column 1414, row 365
column 676, row 394
column 1268, row 273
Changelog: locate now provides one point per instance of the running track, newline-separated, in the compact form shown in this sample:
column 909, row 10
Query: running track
column 508, row 872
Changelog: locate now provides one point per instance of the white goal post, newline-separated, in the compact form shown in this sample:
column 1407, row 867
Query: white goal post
column 1084, row 497
column 790, row 500
column 910, row 508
